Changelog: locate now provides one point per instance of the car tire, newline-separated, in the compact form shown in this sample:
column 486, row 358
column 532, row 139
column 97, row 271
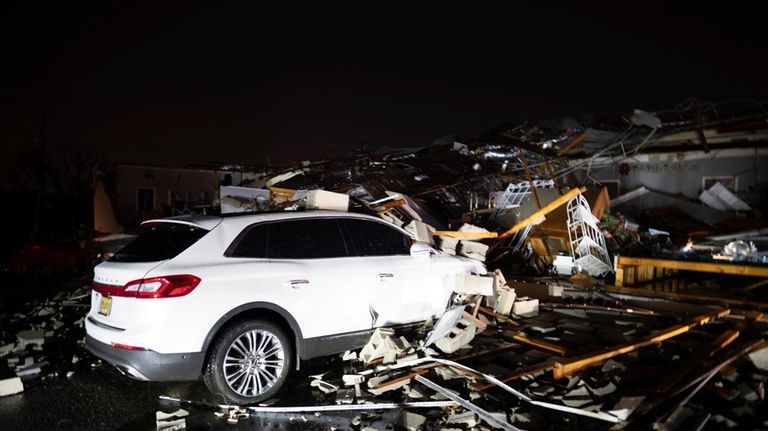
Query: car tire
column 259, row 357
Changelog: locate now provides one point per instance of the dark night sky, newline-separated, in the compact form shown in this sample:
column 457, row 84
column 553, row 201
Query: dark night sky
column 176, row 83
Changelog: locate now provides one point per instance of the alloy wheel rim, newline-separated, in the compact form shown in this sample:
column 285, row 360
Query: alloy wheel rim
column 253, row 363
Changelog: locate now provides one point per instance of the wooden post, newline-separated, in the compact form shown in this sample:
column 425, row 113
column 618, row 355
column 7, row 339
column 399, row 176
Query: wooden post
column 548, row 208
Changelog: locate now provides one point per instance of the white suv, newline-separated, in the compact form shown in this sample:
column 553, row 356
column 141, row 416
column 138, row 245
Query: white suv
column 242, row 299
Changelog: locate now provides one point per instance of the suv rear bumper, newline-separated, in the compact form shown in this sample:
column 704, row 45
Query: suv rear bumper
column 149, row 365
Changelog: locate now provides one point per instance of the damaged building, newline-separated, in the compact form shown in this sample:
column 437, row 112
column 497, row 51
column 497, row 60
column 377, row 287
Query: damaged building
column 625, row 285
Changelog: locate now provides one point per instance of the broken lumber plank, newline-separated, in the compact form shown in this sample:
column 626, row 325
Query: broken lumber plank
column 486, row 416
column 630, row 310
column 535, row 342
column 498, row 383
column 684, row 265
column 754, row 286
column 400, row 379
column 466, row 235
column 686, row 297
column 548, row 208
column 389, row 206
column 491, row 313
column 749, row 315
column 682, row 372
column 576, row 141
column 393, row 203
column 527, row 371
column 562, row 369
column 486, row 352
column 652, row 403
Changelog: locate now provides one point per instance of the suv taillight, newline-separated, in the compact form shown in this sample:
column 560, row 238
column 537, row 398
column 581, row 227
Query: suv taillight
column 167, row 286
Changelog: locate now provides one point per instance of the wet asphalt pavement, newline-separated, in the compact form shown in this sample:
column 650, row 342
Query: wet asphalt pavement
column 102, row 399
column 97, row 397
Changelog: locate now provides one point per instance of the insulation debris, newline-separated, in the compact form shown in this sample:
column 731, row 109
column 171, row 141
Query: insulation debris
column 448, row 245
column 760, row 359
column 412, row 421
column 473, row 285
column 11, row 386
column 473, row 250
column 171, row 421
column 525, row 307
column 6, row 349
column 325, row 200
column 323, row 386
column 421, row 231
column 31, row 337
column 461, row 335
column 445, row 324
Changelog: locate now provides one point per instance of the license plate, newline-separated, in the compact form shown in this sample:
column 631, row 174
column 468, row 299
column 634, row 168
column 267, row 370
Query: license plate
column 106, row 305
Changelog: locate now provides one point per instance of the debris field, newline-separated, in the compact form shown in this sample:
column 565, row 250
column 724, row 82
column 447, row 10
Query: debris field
column 625, row 309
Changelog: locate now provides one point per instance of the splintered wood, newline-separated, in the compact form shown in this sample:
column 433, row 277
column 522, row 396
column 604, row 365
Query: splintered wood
column 566, row 368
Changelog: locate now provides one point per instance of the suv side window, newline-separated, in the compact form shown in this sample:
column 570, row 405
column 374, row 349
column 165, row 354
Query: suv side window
column 372, row 238
column 306, row 239
column 253, row 243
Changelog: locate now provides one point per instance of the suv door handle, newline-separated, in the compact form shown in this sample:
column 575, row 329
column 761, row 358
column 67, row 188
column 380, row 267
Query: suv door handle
column 295, row 283
column 384, row 275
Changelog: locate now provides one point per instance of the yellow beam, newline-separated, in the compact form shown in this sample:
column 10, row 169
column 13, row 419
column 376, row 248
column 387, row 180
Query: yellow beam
column 562, row 369
column 491, row 313
column 466, row 235
column 576, row 141
column 723, row 340
column 541, row 344
column 716, row 267
column 548, row 208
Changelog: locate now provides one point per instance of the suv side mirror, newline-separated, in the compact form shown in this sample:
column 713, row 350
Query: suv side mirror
column 421, row 249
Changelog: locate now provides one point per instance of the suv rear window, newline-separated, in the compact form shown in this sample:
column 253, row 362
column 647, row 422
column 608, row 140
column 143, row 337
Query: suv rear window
column 160, row 241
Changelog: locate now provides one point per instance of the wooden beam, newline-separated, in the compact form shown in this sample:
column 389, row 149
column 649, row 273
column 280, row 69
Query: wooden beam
column 687, row 297
column 535, row 342
column 400, row 379
column 755, row 285
column 393, row 203
column 466, row 235
column 651, row 403
column 562, row 369
column 576, row 141
column 714, row 267
column 666, row 385
column 630, row 310
column 491, row 313
column 527, row 371
column 501, row 348
column 548, row 208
